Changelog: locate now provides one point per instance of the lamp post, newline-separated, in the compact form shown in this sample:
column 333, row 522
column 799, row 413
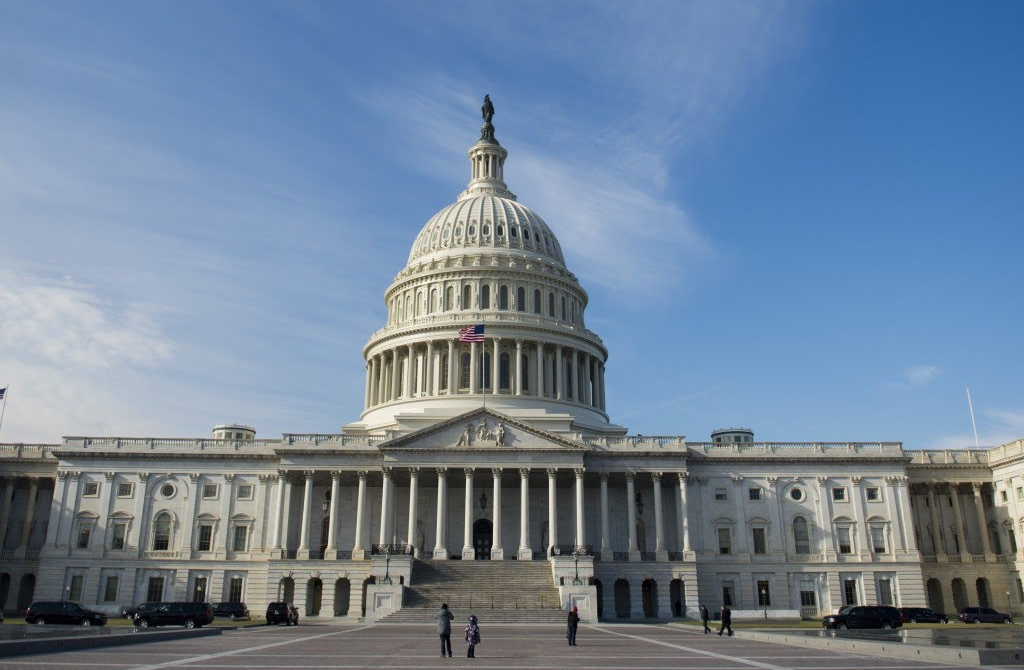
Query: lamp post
column 1008, row 610
column 576, row 555
column 764, row 601
column 387, row 565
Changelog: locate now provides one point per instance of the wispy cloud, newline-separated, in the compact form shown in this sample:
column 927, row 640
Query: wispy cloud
column 664, row 404
column 920, row 375
column 995, row 427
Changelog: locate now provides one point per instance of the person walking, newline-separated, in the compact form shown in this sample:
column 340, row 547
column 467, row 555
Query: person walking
column 726, row 620
column 704, row 618
column 444, row 618
column 572, row 624
column 472, row 637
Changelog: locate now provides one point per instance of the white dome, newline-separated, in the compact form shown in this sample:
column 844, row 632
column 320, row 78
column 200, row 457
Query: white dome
column 487, row 222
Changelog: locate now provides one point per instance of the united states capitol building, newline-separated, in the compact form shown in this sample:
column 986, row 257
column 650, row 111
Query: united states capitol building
column 494, row 454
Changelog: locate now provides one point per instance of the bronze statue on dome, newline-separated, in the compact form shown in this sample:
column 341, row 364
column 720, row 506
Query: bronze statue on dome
column 487, row 110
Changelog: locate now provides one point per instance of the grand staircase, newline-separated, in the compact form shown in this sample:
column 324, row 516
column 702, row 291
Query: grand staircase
column 495, row 591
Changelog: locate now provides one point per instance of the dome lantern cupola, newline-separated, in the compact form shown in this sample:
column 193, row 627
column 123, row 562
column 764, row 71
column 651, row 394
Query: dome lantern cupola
column 487, row 161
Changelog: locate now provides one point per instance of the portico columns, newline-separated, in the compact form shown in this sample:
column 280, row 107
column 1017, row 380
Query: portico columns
column 559, row 379
column 429, row 376
column 5, row 510
column 495, row 367
column 525, row 553
column 634, row 552
column 395, row 388
column 580, row 528
column 685, row 514
column 574, row 372
column 408, row 375
column 497, row 552
column 414, row 475
column 933, row 511
column 307, row 503
column 958, row 517
column 606, row 550
column 538, row 384
column 552, row 511
column 440, row 550
column 331, row 550
column 357, row 548
column 385, row 506
column 660, row 553
column 588, row 390
column 369, row 383
column 518, row 376
column 982, row 523
column 468, row 551
column 30, row 513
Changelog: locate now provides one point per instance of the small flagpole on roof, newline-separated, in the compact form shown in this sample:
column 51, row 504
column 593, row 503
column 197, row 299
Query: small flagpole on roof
column 483, row 370
column 3, row 394
column 970, row 406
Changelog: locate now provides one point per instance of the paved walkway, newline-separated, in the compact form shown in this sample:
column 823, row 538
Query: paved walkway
column 636, row 647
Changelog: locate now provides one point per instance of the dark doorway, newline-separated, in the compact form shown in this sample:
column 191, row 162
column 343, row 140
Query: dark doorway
column 649, row 591
column 622, row 604
column 482, row 539
column 935, row 600
column 314, row 596
column 600, row 598
column 26, row 591
column 342, row 596
column 677, row 594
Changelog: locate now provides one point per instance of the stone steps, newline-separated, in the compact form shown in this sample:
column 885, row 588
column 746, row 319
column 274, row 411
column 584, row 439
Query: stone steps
column 485, row 615
column 509, row 587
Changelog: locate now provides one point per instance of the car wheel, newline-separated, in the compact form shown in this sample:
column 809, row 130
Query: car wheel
column 886, row 626
column 40, row 621
column 143, row 623
column 912, row 621
column 231, row 616
column 190, row 623
column 843, row 626
column 975, row 620
column 1006, row 619
column 943, row 620
column 86, row 623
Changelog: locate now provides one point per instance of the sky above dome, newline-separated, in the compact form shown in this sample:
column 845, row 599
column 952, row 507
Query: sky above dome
column 803, row 218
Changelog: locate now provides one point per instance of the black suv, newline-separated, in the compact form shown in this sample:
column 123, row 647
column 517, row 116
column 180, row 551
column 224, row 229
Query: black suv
column 141, row 608
column 52, row 611
column 922, row 615
column 189, row 615
column 864, row 616
column 983, row 615
column 232, row 611
column 282, row 613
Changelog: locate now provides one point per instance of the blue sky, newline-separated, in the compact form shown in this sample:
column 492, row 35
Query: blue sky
column 804, row 218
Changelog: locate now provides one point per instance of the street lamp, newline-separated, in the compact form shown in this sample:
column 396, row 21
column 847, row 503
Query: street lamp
column 387, row 565
column 1008, row 610
column 764, row 601
column 576, row 555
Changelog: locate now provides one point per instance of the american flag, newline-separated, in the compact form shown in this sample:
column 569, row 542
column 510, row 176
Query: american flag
column 3, row 392
column 471, row 334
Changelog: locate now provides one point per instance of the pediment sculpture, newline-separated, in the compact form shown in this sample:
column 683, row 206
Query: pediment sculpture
column 482, row 434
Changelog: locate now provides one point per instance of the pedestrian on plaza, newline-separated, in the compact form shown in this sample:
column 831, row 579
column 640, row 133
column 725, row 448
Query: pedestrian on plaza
column 444, row 629
column 572, row 624
column 704, row 618
column 726, row 620
column 472, row 637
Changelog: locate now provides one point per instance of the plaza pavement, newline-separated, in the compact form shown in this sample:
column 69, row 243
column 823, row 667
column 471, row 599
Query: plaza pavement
column 632, row 646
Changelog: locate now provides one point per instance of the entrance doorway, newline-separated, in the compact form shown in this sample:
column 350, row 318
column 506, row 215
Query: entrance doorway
column 314, row 596
column 483, row 538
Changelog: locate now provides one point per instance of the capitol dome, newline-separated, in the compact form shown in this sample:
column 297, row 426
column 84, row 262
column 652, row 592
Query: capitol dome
column 489, row 262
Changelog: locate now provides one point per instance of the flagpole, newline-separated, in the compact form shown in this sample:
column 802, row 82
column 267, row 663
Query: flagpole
column 483, row 370
column 970, row 405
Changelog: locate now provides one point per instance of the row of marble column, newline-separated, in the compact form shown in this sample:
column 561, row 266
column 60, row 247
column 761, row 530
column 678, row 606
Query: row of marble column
column 5, row 514
column 524, row 552
column 936, row 525
column 390, row 374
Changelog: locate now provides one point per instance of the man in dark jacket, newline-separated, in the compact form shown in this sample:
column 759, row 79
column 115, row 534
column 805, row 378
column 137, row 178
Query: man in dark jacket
column 726, row 620
column 572, row 624
column 444, row 629
column 704, row 618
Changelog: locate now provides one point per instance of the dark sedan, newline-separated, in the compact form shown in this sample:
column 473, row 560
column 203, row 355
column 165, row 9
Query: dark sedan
column 983, row 615
column 922, row 615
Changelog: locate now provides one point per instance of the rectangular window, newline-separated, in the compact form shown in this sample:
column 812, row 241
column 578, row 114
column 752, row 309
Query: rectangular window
column 1020, row 493
column 75, row 588
column 241, row 538
column 873, row 493
column 91, row 490
column 808, row 598
column 849, row 591
column 728, row 593
column 125, row 490
column 724, row 541
column 878, row 540
column 84, row 533
column 205, row 538
column 235, row 590
column 885, row 591
column 155, row 589
column 721, row 494
column 760, row 543
column 119, row 531
column 110, row 589
column 245, row 491
column 209, row 491
column 755, row 494
column 1002, row 494
column 199, row 590
column 845, row 546
column 839, row 494
column 764, row 593
column 801, row 536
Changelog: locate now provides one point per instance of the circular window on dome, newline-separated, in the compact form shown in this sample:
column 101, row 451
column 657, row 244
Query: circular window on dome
column 487, row 230
column 797, row 494
column 472, row 231
column 167, row 490
column 458, row 232
column 513, row 232
column 445, row 233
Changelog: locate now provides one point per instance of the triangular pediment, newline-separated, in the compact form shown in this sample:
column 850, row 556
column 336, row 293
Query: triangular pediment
column 482, row 430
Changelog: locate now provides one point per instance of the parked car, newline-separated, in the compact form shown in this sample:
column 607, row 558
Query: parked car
column 864, row 616
column 52, row 611
column 282, row 613
column 141, row 608
column 922, row 615
column 233, row 611
column 983, row 615
column 189, row 615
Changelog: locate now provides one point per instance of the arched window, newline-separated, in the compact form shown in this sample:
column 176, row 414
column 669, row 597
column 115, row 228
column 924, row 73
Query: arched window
column 801, row 537
column 503, row 297
column 398, row 310
column 503, row 366
column 521, row 299
column 551, row 305
column 485, row 296
column 563, row 308
column 572, row 311
column 444, row 372
column 450, row 301
column 567, row 371
column 433, row 301
column 420, row 306
column 524, row 373
column 536, row 301
column 485, row 371
column 409, row 306
column 464, row 372
column 162, row 532
column 467, row 297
